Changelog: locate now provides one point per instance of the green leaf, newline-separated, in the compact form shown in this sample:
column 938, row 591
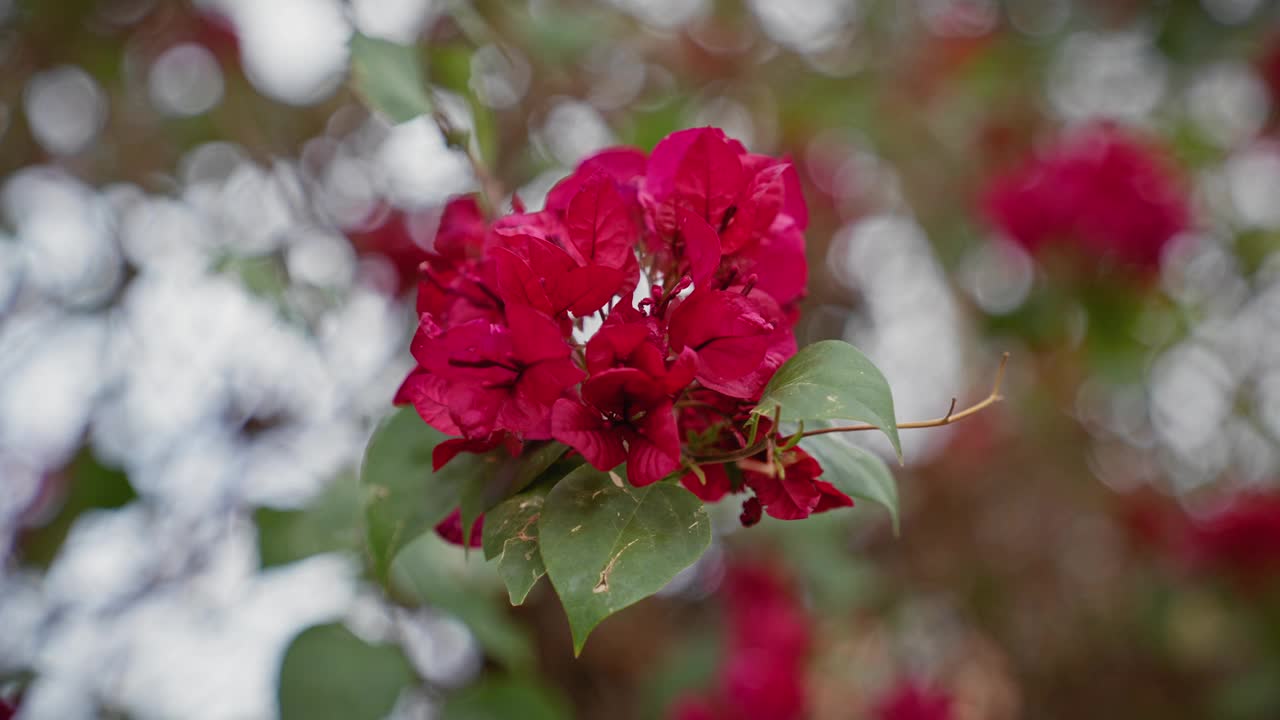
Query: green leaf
column 502, row 476
column 511, row 536
column 404, row 498
column 856, row 472
column 831, row 380
column 262, row 275
column 331, row 522
column 89, row 485
column 329, row 673
column 387, row 75
column 607, row 545
column 428, row 572
column 505, row 698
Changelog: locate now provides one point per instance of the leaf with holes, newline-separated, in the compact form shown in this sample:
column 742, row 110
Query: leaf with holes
column 387, row 75
column 502, row 476
column 511, row 536
column 329, row 673
column 860, row 474
column 831, row 380
column 607, row 545
column 404, row 498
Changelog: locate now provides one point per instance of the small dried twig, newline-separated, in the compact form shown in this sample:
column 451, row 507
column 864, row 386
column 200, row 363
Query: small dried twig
column 951, row 417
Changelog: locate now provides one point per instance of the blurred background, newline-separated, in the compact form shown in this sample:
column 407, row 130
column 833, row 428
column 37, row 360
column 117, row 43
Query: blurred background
column 207, row 259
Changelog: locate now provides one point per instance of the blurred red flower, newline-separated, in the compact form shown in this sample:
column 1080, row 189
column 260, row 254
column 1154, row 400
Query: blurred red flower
column 913, row 701
column 1241, row 540
column 767, row 645
column 1100, row 192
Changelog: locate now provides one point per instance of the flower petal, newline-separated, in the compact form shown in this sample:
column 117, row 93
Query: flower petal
column 601, row 227
column 584, row 430
column 701, row 246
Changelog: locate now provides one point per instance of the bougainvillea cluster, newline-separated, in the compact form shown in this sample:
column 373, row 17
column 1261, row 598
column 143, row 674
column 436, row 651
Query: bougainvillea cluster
column 635, row 319
column 767, row 644
column 1100, row 193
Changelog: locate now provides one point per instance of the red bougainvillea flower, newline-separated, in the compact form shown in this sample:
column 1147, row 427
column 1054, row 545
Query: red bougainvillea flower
column 713, row 484
column 699, row 180
column 913, row 701
column 629, row 339
column 462, row 231
column 540, row 275
column 455, row 295
column 509, row 348
column 625, row 416
column 1099, row 191
column 624, row 166
column 797, row 492
column 767, row 644
column 450, row 529
column 729, row 337
column 601, row 225
column 714, row 423
column 1240, row 540
column 456, row 284
column 449, row 449
column 700, row 170
column 480, row 378
column 776, row 263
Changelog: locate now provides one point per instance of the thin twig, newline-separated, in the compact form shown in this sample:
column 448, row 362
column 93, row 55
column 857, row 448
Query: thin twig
column 478, row 33
column 490, row 187
column 951, row 417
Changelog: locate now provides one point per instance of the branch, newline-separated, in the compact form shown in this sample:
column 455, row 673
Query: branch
column 490, row 186
column 478, row 33
column 951, row 416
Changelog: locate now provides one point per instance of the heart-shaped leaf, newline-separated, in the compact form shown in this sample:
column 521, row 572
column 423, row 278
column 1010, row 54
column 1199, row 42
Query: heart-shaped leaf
column 607, row 545
column 404, row 498
column 330, row 674
column 329, row 523
column 856, row 472
column 831, row 380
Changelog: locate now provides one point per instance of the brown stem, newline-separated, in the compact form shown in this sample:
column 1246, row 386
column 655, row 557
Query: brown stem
column 490, row 186
column 951, row 417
